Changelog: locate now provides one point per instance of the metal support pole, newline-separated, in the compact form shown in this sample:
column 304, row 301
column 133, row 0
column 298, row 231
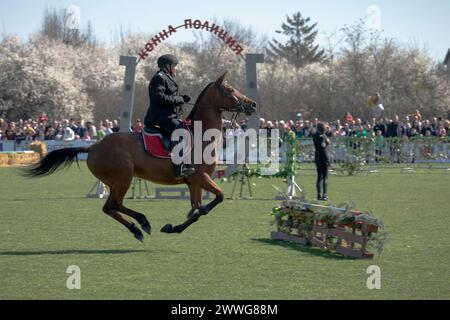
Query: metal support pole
column 251, row 59
column 128, row 92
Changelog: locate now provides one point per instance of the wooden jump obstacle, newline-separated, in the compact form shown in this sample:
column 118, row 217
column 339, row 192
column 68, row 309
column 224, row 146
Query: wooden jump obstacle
column 347, row 232
column 16, row 159
column 176, row 193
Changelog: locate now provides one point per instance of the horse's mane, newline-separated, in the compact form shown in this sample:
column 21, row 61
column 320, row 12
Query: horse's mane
column 196, row 105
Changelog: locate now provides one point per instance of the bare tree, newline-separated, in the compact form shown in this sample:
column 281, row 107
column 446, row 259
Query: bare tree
column 56, row 24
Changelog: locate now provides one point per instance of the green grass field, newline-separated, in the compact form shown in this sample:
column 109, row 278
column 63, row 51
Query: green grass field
column 47, row 225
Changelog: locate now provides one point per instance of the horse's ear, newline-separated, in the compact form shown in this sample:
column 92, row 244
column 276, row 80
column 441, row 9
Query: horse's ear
column 222, row 78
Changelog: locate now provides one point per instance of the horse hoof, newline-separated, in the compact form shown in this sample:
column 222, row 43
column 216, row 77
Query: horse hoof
column 137, row 233
column 147, row 228
column 139, row 236
column 168, row 228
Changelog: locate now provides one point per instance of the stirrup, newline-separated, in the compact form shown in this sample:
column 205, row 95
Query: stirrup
column 184, row 172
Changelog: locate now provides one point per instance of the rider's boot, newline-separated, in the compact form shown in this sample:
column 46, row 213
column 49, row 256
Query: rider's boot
column 182, row 171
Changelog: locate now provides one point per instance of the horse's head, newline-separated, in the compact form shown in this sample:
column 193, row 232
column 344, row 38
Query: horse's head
column 232, row 100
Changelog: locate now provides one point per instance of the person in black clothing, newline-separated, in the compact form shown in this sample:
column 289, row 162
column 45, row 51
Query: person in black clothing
column 427, row 127
column 381, row 126
column 79, row 129
column 165, row 104
column 393, row 128
column 115, row 126
column 322, row 161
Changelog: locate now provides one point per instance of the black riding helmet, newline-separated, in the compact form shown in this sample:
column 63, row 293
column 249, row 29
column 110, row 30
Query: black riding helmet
column 167, row 59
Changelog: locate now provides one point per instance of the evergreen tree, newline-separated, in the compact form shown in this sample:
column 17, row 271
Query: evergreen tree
column 300, row 49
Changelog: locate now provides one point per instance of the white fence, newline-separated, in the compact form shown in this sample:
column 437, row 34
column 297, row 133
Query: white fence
column 340, row 150
column 420, row 151
column 10, row 146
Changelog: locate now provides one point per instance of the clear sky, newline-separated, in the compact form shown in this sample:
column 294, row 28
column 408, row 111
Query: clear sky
column 423, row 22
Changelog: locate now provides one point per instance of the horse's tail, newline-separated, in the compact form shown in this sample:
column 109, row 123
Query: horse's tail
column 55, row 160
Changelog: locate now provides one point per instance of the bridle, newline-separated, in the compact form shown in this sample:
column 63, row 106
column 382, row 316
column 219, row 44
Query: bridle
column 236, row 109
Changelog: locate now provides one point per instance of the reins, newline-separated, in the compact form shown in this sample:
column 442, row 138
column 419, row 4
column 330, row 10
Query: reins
column 234, row 117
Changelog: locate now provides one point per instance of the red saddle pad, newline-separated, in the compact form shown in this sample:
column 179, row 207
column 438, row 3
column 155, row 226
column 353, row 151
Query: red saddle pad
column 153, row 143
column 154, row 146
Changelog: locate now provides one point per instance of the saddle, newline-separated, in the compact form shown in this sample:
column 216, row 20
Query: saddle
column 159, row 145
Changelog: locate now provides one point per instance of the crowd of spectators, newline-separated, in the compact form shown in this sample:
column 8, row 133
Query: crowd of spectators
column 409, row 127
column 78, row 129
column 42, row 129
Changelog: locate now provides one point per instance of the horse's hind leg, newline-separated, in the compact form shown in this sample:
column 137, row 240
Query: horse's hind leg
column 139, row 217
column 119, row 193
column 113, row 206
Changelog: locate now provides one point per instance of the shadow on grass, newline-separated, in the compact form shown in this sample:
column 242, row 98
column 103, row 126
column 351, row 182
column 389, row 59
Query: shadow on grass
column 68, row 252
column 310, row 250
column 45, row 199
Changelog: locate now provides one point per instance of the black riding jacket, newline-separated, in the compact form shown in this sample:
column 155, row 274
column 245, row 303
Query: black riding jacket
column 320, row 146
column 164, row 98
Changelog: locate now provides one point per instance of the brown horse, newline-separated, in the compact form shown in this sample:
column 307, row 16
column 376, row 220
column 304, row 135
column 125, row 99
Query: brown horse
column 119, row 157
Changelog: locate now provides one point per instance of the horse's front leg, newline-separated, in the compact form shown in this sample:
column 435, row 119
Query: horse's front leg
column 198, row 182
column 196, row 199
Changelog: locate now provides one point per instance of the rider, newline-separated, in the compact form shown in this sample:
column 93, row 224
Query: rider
column 165, row 103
